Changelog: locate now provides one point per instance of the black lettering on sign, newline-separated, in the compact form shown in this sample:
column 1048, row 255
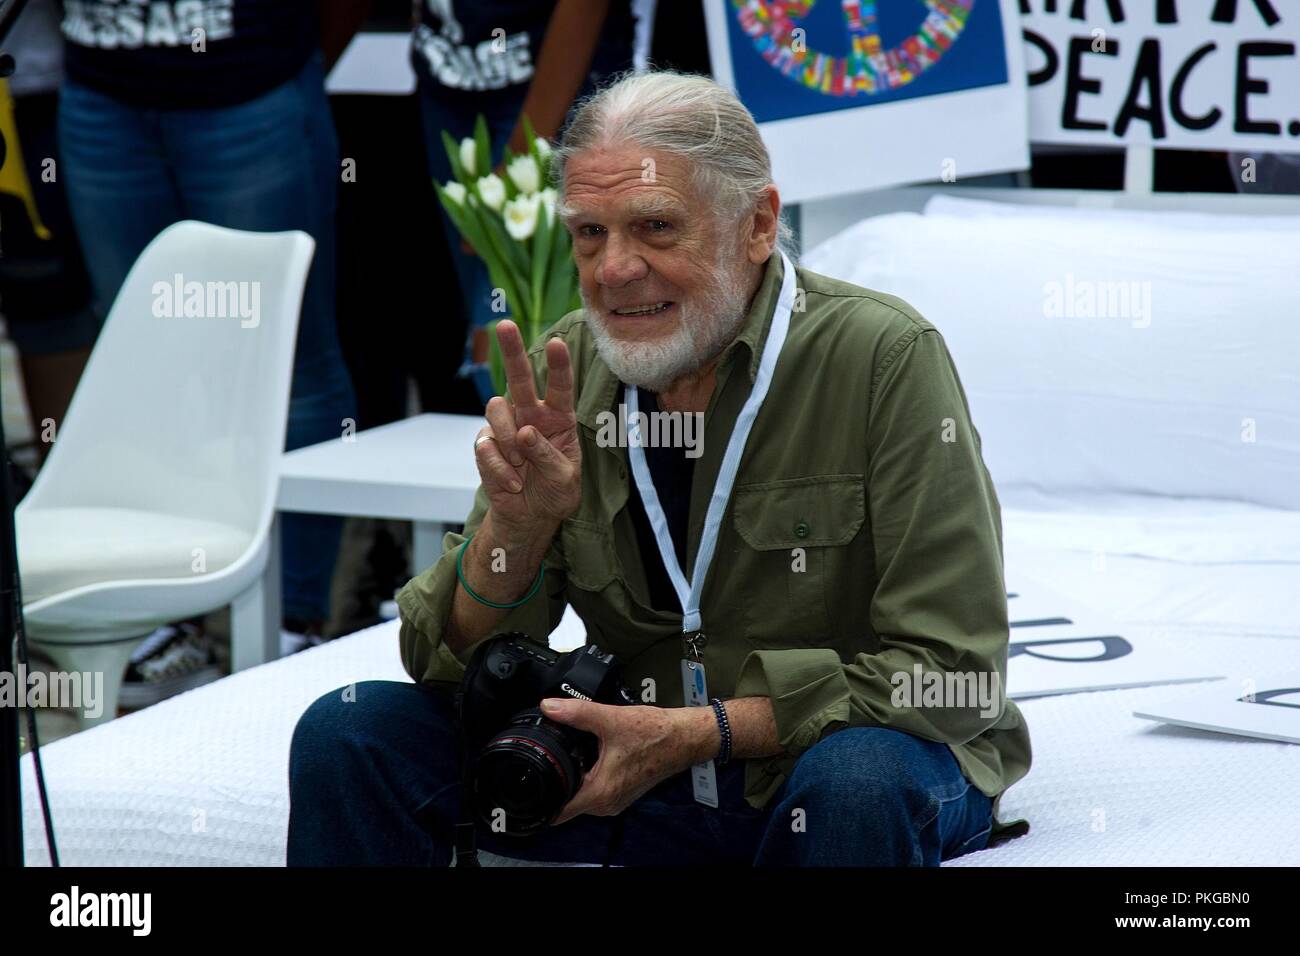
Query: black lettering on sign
column 1076, row 83
column 1079, row 10
column 1247, row 84
column 1053, row 61
column 1180, row 115
column 1113, row 647
column 1225, row 11
column 1145, row 73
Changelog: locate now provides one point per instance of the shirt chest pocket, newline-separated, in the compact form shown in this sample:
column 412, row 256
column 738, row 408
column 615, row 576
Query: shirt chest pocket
column 589, row 558
column 792, row 555
column 596, row 588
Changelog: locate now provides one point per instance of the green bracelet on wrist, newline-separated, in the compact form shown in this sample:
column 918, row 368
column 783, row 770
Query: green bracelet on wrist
column 460, row 573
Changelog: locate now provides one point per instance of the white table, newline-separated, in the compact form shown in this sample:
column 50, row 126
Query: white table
column 419, row 470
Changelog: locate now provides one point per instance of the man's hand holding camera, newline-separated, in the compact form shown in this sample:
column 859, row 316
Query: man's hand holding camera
column 639, row 747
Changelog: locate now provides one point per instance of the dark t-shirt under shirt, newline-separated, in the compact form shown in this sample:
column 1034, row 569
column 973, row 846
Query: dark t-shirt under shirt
column 143, row 53
column 673, row 474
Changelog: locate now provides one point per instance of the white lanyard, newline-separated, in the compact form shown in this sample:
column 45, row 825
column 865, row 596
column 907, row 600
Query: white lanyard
column 690, row 596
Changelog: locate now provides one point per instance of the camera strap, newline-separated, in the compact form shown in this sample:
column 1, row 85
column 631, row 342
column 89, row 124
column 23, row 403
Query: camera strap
column 689, row 593
column 465, row 836
column 694, row 686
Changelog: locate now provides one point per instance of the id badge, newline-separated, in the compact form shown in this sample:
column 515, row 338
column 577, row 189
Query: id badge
column 695, row 692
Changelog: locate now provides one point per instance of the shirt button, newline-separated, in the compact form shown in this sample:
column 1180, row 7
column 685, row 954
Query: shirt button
column 801, row 529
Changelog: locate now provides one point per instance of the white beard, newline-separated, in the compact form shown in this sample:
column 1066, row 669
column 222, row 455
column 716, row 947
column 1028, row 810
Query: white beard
column 706, row 324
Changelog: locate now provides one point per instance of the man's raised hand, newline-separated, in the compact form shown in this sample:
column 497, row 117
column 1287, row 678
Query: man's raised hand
column 532, row 469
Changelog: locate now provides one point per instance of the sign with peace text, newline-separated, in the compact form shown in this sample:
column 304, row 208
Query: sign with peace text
column 1183, row 74
column 852, row 95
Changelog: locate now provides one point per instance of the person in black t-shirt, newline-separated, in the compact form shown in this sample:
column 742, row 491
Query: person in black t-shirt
column 216, row 110
column 506, row 59
column 43, row 284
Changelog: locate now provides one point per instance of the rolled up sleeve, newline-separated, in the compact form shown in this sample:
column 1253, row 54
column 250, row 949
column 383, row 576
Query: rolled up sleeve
column 425, row 606
column 940, row 600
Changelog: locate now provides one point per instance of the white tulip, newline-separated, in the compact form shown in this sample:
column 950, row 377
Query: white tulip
column 468, row 155
column 549, row 197
column 521, row 216
column 523, row 173
column 455, row 192
column 543, row 149
column 492, row 191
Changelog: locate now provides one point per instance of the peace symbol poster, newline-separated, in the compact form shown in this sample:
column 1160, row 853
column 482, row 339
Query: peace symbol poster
column 852, row 95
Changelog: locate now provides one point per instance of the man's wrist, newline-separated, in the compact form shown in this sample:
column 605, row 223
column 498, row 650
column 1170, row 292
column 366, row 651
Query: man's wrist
column 700, row 732
column 513, row 558
column 528, row 536
column 753, row 730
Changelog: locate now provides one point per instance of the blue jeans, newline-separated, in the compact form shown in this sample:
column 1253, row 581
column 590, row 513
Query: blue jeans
column 267, row 165
column 475, row 286
column 375, row 779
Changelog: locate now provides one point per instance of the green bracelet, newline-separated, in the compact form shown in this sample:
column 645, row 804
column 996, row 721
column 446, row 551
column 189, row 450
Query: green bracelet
column 460, row 573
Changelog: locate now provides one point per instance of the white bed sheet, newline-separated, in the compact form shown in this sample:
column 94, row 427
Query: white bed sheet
column 201, row 779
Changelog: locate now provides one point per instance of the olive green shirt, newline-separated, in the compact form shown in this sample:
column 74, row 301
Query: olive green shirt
column 863, row 536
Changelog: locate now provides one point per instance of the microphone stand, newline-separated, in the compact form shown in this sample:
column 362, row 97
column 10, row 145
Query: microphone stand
column 11, row 836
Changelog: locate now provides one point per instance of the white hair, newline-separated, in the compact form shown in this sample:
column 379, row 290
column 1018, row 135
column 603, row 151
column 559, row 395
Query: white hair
column 684, row 115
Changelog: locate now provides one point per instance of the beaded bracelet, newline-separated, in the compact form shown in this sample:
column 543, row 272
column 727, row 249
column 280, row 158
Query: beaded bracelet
column 724, row 726
column 460, row 573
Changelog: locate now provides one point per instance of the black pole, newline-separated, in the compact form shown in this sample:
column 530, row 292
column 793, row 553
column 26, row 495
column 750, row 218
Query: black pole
column 11, row 838
column 11, row 830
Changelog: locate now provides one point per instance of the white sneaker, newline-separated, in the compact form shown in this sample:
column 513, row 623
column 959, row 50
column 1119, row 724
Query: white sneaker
column 291, row 642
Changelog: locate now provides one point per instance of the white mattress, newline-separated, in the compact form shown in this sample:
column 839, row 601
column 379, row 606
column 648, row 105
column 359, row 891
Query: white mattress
column 201, row 779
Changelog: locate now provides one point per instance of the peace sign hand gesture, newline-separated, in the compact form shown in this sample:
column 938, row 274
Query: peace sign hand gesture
column 531, row 469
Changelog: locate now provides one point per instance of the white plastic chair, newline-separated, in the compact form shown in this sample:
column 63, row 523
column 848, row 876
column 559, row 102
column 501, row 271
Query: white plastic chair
column 156, row 499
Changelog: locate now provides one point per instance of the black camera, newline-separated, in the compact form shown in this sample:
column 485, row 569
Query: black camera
column 525, row 767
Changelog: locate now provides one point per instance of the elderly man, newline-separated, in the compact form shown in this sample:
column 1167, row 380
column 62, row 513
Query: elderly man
column 828, row 559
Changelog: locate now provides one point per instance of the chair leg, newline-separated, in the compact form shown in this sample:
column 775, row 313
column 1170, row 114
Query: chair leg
column 255, row 614
column 106, row 666
column 426, row 544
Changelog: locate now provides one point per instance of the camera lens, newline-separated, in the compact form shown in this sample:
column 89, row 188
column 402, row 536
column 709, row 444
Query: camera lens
column 520, row 787
column 528, row 772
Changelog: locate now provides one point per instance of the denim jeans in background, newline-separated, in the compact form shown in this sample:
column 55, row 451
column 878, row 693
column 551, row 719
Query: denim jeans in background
column 267, row 165
column 476, row 288
column 375, row 779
